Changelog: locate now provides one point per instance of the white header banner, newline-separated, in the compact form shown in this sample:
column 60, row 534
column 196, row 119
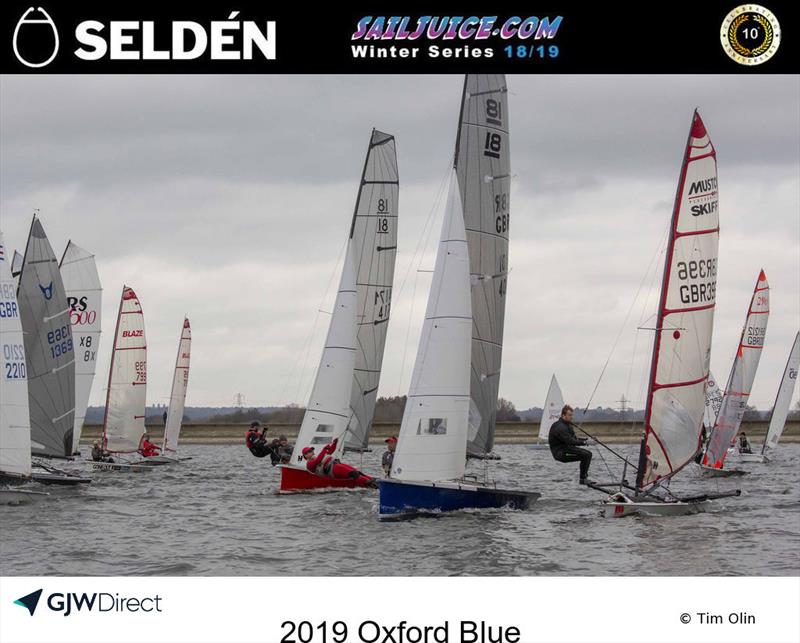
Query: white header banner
column 399, row 610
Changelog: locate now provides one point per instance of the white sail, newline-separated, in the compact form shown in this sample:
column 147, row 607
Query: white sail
column 743, row 373
column 553, row 404
column 123, row 425
column 84, row 296
column 433, row 435
column 780, row 410
column 682, row 346
column 49, row 348
column 483, row 171
column 15, row 428
column 713, row 402
column 328, row 411
column 180, row 382
column 374, row 238
column 16, row 264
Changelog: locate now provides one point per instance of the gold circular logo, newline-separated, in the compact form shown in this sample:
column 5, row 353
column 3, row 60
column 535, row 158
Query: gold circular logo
column 750, row 34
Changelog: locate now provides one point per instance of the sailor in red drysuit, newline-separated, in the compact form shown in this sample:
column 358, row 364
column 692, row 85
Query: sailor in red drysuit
column 324, row 464
column 147, row 448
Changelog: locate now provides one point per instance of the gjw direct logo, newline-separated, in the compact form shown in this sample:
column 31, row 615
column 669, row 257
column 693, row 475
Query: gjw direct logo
column 72, row 602
column 37, row 40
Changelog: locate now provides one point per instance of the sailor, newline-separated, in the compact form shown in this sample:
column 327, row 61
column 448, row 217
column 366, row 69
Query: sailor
column 284, row 450
column 256, row 440
column 566, row 446
column 100, row 455
column 388, row 455
column 324, row 464
column 147, row 448
column 744, row 444
column 698, row 458
column 165, row 418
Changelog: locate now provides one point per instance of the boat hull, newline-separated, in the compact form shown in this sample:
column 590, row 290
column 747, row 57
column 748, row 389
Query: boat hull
column 619, row 506
column 710, row 472
column 59, row 478
column 400, row 499
column 750, row 457
column 122, row 467
column 294, row 480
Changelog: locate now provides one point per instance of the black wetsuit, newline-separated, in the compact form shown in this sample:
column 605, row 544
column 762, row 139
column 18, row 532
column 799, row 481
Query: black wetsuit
column 565, row 446
column 257, row 444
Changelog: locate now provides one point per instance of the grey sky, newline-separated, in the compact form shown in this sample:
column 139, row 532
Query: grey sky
column 230, row 198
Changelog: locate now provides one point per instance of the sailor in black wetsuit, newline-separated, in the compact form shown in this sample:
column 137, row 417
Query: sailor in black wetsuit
column 566, row 446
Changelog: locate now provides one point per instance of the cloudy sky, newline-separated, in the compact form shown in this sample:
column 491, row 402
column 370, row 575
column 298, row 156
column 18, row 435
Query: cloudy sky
column 229, row 198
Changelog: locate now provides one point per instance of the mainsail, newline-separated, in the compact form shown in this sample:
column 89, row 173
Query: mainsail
column 373, row 237
column 49, row 349
column 84, row 296
column 743, row 373
column 483, row 168
column 433, row 434
column 328, row 411
column 15, row 429
column 553, row 404
column 780, row 410
column 123, row 425
column 713, row 402
column 685, row 320
column 180, row 382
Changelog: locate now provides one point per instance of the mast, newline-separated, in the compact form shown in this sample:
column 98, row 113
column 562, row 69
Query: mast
column 742, row 375
column 685, row 318
column 373, row 238
column 482, row 166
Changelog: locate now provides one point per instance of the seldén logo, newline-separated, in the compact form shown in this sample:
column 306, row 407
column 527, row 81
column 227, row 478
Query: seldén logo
column 29, row 601
column 71, row 602
column 36, row 40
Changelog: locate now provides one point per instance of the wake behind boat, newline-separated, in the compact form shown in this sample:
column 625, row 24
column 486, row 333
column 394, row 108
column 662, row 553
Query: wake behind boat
column 451, row 406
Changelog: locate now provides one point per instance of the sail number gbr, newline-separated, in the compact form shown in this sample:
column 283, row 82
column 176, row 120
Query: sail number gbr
column 701, row 281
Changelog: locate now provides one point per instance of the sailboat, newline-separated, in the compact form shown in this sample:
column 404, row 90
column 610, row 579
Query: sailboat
column 84, row 296
column 123, row 423
column 551, row 411
column 50, row 357
column 177, row 398
column 446, row 415
column 740, row 381
column 679, row 368
column 780, row 410
column 15, row 430
column 342, row 402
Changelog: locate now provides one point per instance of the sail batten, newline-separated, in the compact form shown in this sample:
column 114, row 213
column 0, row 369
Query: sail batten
column 49, row 348
column 373, row 241
column 180, row 384
column 741, row 378
column 84, row 296
column 15, row 429
column 123, row 425
column 682, row 345
column 482, row 165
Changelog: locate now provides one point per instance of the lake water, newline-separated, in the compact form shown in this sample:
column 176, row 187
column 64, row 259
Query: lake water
column 219, row 514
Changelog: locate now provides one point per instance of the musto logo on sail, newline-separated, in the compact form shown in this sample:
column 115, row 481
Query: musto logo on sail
column 68, row 603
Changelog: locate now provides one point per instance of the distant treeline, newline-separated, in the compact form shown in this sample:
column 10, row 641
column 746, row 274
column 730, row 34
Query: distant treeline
column 387, row 409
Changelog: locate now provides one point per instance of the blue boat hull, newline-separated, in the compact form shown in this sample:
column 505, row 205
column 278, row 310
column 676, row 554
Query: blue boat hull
column 407, row 499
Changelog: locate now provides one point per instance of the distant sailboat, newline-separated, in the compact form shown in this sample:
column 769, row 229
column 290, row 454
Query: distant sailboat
column 123, row 424
column 780, row 410
column 50, row 357
column 84, row 296
column 551, row 411
column 15, row 430
column 682, row 345
column 740, row 381
column 342, row 402
column 441, row 415
column 177, row 398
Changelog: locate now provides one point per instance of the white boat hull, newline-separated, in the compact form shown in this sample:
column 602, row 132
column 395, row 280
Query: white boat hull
column 15, row 497
column 710, row 472
column 620, row 505
column 122, row 467
column 750, row 457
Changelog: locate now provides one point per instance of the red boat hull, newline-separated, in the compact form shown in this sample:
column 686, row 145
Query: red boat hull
column 296, row 480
